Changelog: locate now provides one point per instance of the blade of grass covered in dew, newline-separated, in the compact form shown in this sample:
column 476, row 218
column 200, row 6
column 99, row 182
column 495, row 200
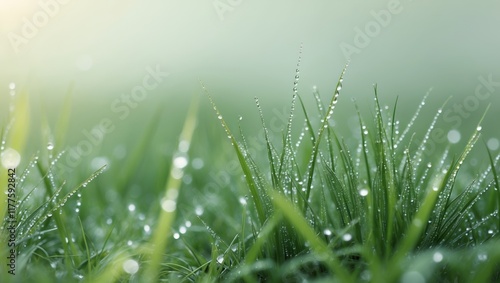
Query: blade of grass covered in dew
column 393, row 129
column 431, row 202
column 87, row 250
column 63, row 120
column 414, row 118
column 418, row 224
column 158, row 242
column 274, row 177
column 262, row 237
column 62, row 201
column 59, row 219
column 308, row 121
column 443, row 201
column 320, row 106
column 364, row 148
column 138, row 152
column 324, row 124
column 18, row 135
column 317, row 245
column 50, row 186
column 497, row 183
column 385, row 167
column 254, row 191
column 96, row 258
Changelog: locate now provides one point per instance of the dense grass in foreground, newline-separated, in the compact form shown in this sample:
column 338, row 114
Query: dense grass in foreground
column 315, row 204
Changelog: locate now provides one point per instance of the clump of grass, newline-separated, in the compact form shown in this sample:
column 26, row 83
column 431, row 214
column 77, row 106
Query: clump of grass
column 366, row 212
column 322, row 206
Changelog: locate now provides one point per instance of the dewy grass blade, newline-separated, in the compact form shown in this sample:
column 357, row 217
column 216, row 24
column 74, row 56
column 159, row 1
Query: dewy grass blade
column 302, row 227
column 324, row 125
column 496, row 182
column 254, row 190
column 169, row 200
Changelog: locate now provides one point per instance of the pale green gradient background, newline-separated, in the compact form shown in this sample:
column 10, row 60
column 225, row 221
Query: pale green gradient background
column 253, row 51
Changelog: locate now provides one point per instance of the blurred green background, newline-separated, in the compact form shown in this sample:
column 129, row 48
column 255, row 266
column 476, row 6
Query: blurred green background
column 240, row 49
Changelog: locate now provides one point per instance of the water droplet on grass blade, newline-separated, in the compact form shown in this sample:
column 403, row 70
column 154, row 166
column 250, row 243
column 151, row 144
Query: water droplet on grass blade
column 182, row 230
column 131, row 266
column 220, row 259
column 168, row 205
column 199, row 210
column 176, row 236
column 363, row 192
column 347, row 237
column 180, row 162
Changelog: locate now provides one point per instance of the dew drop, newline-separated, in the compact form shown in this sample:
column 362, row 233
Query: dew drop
column 347, row 237
column 454, row 136
column 50, row 146
column 197, row 163
column 168, row 205
column 327, row 232
column 176, row 236
column 243, row 201
column 10, row 158
column 493, row 144
column 363, row 192
column 220, row 259
column 180, row 162
column 479, row 128
column 147, row 229
column 131, row 207
column 12, row 86
column 437, row 257
column 199, row 210
column 482, row 256
column 131, row 266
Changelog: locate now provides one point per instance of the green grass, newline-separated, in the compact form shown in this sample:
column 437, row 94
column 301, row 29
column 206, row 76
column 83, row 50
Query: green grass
column 318, row 203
